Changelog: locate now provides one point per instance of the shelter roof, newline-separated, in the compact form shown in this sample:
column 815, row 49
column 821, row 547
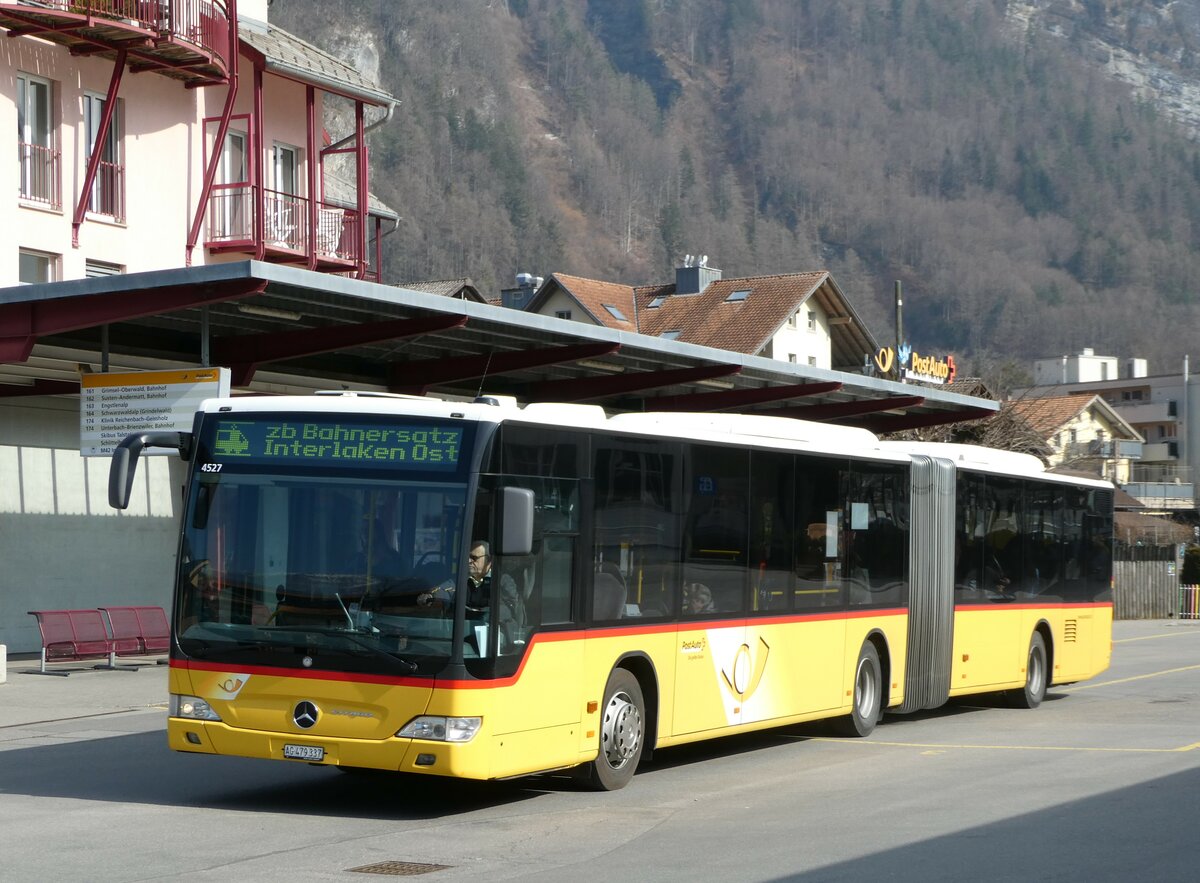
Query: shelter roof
column 285, row 329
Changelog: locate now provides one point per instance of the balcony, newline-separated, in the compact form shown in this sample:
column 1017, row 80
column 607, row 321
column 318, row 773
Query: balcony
column 40, row 181
column 1104, row 449
column 1163, row 495
column 186, row 40
column 231, row 227
column 108, row 191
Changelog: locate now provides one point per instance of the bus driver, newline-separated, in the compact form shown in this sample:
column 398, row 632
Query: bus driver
column 479, row 582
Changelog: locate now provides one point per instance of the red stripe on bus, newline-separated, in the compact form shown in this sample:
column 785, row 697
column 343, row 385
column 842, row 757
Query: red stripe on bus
column 594, row 634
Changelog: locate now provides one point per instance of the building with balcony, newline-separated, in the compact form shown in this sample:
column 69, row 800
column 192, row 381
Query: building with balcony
column 1163, row 409
column 152, row 135
column 1082, row 434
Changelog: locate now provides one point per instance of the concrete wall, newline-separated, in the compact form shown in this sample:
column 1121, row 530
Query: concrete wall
column 61, row 546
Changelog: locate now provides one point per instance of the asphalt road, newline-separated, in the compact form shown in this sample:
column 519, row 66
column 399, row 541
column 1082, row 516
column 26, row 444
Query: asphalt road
column 1100, row 783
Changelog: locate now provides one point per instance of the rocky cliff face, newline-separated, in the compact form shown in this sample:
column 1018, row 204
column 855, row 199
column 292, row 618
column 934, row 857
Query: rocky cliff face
column 1152, row 45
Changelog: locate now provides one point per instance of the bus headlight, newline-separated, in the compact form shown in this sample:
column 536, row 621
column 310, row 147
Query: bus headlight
column 442, row 729
column 192, row 707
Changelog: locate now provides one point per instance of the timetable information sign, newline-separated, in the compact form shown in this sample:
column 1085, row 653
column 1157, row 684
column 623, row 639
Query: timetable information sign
column 114, row 405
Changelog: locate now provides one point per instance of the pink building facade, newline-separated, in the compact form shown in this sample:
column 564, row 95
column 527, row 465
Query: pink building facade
column 129, row 155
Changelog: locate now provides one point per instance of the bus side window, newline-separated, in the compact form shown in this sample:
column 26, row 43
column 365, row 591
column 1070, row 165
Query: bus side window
column 717, row 524
column 637, row 529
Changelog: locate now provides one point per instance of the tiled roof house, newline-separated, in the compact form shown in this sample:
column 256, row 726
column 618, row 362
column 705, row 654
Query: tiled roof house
column 1079, row 430
column 794, row 317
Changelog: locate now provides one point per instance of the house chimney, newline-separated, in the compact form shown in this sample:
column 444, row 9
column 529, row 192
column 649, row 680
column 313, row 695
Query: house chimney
column 695, row 275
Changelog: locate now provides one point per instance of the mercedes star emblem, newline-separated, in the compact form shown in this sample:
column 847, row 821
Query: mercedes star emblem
column 306, row 714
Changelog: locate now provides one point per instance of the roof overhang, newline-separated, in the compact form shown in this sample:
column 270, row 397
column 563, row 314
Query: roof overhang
column 294, row 330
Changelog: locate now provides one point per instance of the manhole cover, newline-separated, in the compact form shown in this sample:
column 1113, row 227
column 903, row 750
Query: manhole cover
column 399, row 869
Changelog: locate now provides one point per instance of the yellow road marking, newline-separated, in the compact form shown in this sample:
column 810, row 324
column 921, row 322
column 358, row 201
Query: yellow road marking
column 932, row 748
column 1153, row 674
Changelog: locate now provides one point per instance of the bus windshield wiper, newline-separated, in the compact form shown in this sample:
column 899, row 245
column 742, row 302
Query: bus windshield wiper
column 351, row 638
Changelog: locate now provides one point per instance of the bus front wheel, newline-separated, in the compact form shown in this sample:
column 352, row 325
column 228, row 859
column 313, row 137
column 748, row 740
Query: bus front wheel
column 1036, row 676
column 868, row 695
column 622, row 733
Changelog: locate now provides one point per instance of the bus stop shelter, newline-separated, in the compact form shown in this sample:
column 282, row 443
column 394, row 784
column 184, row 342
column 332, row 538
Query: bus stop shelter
column 286, row 330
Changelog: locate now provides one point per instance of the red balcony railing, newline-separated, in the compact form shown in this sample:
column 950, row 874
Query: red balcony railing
column 39, row 181
column 337, row 232
column 231, row 214
column 108, row 191
column 179, row 28
column 231, row 224
column 285, row 221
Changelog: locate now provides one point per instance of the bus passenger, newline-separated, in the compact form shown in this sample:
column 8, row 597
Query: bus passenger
column 697, row 598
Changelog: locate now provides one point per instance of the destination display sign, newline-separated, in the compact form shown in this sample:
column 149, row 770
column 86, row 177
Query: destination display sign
column 291, row 441
column 113, row 406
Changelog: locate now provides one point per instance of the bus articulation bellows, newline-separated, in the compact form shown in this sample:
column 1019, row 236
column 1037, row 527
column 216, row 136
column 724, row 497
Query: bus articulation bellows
column 637, row 581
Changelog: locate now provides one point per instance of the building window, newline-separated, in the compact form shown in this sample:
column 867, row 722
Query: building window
column 737, row 296
column 615, row 313
column 812, row 361
column 286, row 168
column 229, row 209
column 792, row 358
column 36, row 144
column 108, row 188
column 1172, row 449
column 812, row 320
column 791, row 322
column 37, row 267
column 562, row 314
column 283, row 211
column 95, row 269
column 1172, row 408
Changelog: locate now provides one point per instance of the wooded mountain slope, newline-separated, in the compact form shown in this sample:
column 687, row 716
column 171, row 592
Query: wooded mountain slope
column 1031, row 204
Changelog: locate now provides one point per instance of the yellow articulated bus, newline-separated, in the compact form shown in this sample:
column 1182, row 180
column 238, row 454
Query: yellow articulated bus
column 488, row 591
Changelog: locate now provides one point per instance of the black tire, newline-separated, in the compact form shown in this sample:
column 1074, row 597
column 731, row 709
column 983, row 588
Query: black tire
column 622, row 734
column 868, row 695
column 1037, row 676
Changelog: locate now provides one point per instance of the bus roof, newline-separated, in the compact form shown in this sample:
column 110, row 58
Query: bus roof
column 752, row 429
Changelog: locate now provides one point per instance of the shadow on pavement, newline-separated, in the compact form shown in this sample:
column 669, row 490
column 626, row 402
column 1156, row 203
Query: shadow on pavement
column 141, row 769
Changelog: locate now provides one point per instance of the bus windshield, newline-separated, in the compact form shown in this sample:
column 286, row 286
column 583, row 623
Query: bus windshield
column 303, row 547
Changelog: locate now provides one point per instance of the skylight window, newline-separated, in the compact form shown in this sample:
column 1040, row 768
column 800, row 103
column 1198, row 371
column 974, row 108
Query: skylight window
column 738, row 296
column 657, row 302
column 671, row 335
column 615, row 313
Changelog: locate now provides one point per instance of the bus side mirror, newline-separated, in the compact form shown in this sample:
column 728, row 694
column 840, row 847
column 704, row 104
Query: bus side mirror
column 124, row 461
column 517, row 537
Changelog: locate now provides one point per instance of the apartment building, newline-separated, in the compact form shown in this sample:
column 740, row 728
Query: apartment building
column 154, row 135
column 150, row 136
column 1164, row 409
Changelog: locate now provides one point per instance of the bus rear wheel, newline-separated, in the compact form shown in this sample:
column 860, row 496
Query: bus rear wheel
column 868, row 695
column 1037, row 677
column 622, row 733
